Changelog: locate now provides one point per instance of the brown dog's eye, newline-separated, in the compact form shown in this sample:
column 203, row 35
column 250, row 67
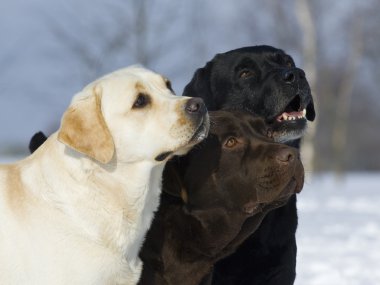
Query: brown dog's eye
column 141, row 101
column 246, row 73
column 230, row 142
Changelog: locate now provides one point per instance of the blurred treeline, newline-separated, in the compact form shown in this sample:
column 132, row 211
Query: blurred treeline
column 337, row 43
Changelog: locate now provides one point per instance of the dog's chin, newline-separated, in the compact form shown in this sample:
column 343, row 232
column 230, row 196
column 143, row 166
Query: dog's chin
column 284, row 131
column 199, row 135
column 290, row 189
column 201, row 132
column 293, row 187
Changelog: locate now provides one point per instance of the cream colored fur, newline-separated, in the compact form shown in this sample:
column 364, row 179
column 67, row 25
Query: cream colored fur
column 77, row 210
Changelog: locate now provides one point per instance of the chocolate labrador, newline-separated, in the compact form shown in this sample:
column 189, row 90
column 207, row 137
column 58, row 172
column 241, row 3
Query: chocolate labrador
column 218, row 195
column 264, row 81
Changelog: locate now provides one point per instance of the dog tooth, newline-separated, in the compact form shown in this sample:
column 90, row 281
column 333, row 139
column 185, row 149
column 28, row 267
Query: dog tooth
column 285, row 117
column 304, row 112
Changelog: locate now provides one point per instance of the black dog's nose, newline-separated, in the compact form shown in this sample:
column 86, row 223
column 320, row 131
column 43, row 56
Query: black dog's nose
column 195, row 106
column 286, row 155
column 289, row 76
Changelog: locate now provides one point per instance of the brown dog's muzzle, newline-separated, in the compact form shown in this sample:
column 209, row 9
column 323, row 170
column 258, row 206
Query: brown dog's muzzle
column 286, row 156
column 284, row 178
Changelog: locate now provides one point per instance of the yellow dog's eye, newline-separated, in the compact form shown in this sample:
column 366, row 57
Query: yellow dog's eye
column 230, row 142
column 141, row 101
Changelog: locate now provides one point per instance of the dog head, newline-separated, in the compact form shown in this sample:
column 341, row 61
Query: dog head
column 236, row 168
column 132, row 115
column 262, row 80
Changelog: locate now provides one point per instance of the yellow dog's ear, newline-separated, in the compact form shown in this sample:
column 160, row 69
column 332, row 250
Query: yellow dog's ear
column 83, row 128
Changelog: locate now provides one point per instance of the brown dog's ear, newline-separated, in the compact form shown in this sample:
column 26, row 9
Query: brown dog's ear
column 172, row 183
column 83, row 128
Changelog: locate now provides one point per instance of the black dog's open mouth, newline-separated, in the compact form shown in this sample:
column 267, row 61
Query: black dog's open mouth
column 290, row 124
column 293, row 111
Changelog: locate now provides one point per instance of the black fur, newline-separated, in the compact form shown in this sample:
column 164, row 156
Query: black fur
column 37, row 140
column 264, row 81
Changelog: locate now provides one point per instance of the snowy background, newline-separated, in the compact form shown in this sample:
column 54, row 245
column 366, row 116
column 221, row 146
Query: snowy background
column 339, row 230
column 338, row 234
column 50, row 49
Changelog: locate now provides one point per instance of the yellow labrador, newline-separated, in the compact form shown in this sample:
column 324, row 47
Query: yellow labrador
column 77, row 210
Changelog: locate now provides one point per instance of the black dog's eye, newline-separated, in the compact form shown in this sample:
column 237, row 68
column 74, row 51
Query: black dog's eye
column 141, row 101
column 246, row 74
column 230, row 142
column 289, row 64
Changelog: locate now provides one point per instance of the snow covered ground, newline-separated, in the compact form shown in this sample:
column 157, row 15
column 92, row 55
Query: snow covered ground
column 339, row 230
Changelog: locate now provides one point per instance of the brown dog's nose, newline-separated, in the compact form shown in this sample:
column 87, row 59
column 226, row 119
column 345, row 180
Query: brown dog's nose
column 285, row 155
column 195, row 106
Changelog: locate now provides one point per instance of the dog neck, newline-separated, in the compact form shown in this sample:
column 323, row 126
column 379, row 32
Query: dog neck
column 216, row 228
column 117, row 210
column 193, row 242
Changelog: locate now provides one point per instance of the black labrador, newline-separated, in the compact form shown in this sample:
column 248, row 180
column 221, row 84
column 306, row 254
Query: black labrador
column 215, row 197
column 264, row 81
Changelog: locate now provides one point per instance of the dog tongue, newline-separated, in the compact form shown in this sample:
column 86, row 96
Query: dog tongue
column 294, row 114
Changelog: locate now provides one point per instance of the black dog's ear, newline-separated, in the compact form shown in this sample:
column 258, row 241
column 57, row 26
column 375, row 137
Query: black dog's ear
column 200, row 86
column 310, row 111
column 172, row 182
column 36, row 141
